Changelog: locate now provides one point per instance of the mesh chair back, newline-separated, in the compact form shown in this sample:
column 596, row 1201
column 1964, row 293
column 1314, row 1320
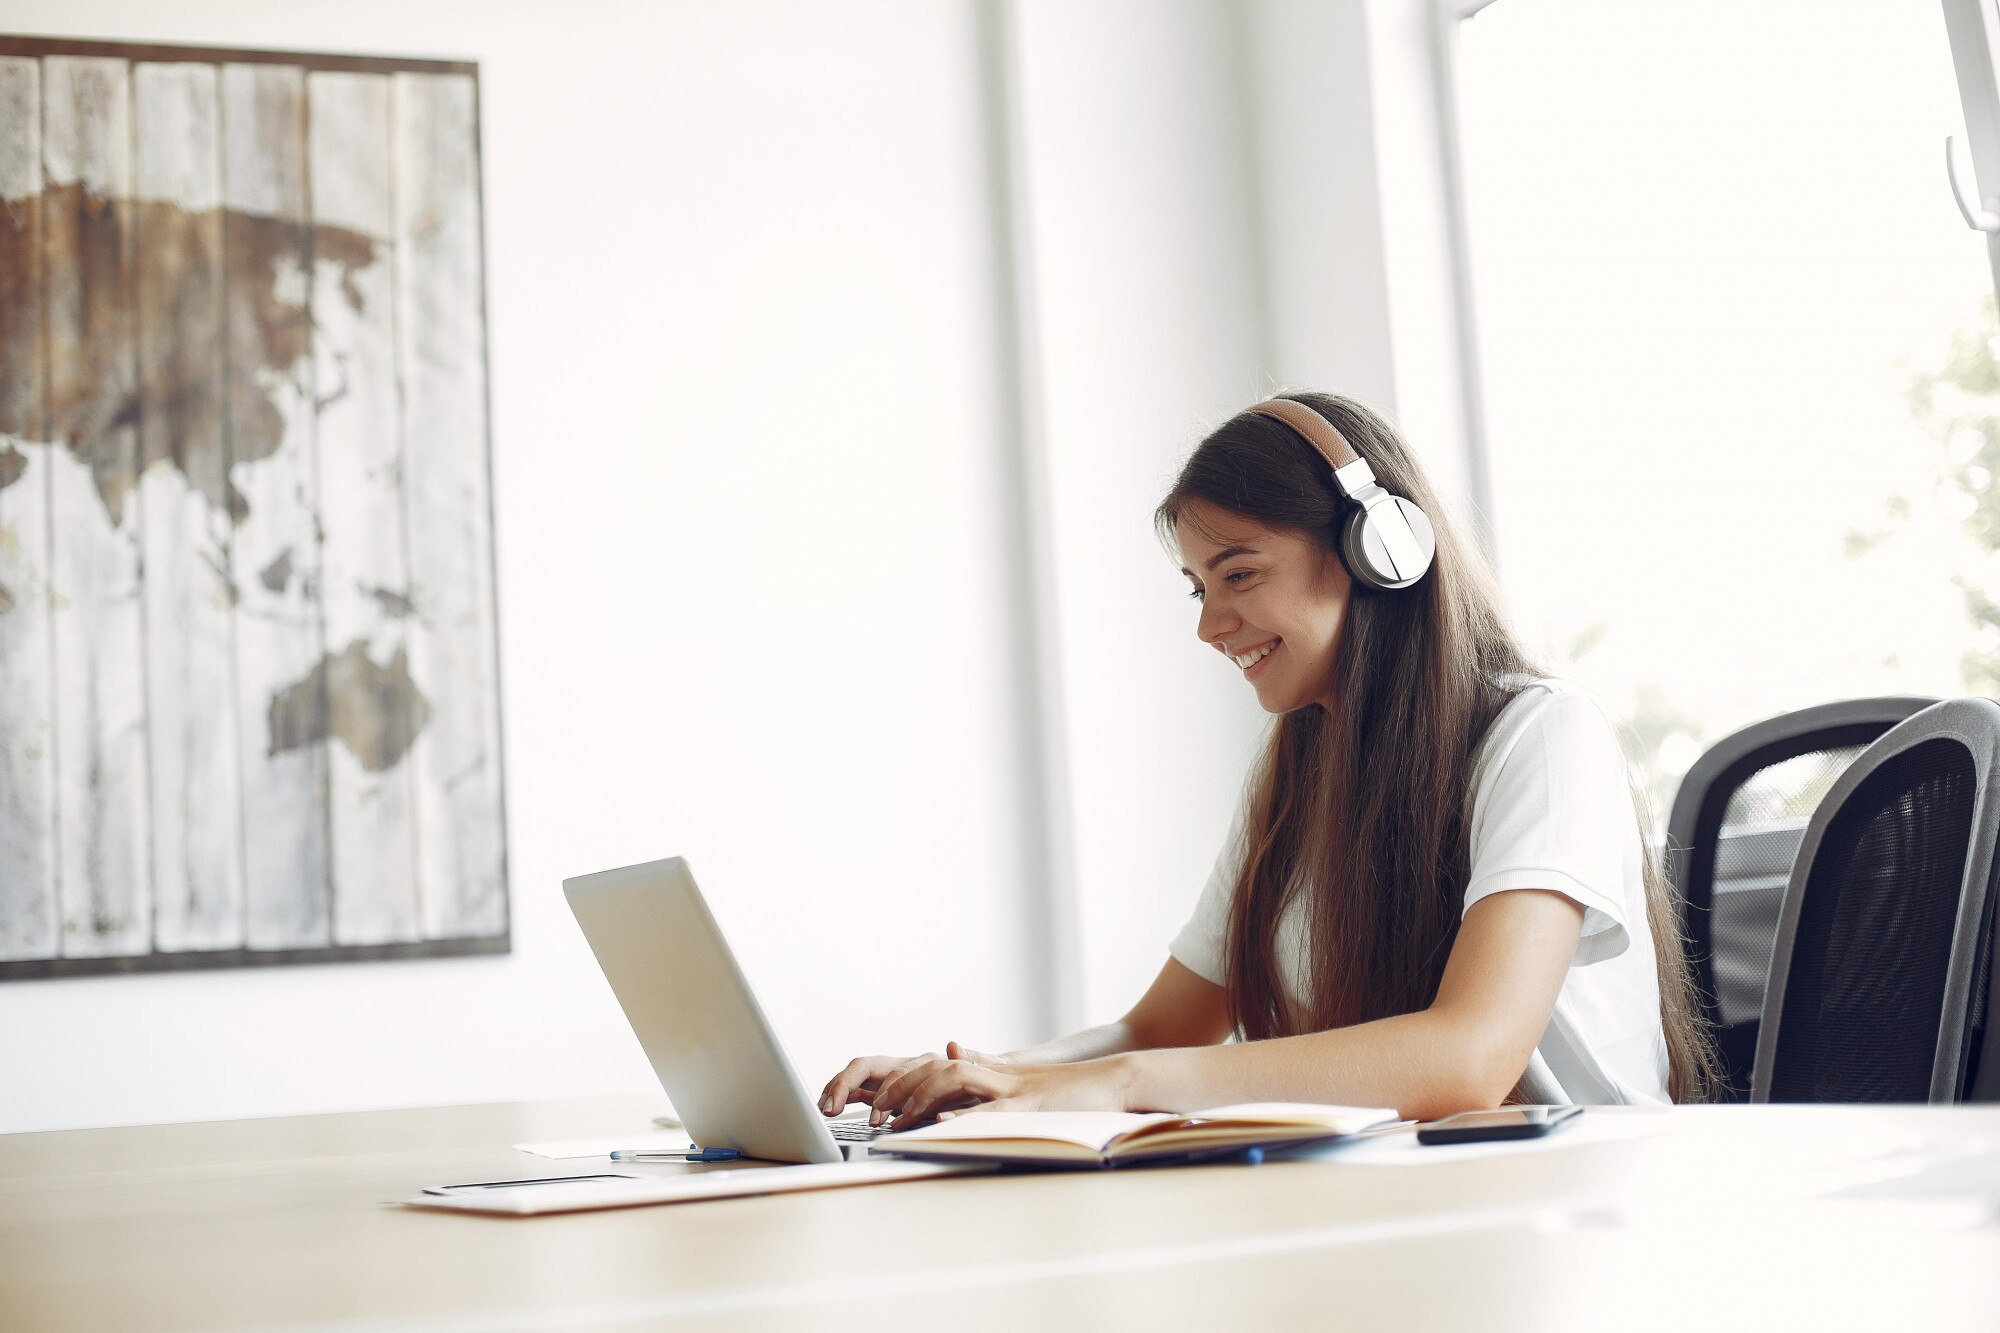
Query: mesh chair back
column 1879, row 974
column 1737, row 822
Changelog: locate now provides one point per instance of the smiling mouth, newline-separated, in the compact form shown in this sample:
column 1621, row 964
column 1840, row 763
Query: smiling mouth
column 1250, row 660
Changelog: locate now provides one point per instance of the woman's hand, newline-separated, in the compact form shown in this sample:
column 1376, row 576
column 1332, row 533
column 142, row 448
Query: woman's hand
column 963, row 1078
column 862, row 1079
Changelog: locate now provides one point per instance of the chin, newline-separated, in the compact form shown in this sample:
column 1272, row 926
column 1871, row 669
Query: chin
column 1277, row 704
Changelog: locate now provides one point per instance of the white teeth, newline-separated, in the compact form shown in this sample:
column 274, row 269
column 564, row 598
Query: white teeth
column 1249, row 660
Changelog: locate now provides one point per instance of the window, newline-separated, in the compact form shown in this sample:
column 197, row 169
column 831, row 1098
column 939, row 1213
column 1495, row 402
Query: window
column 1738, row 353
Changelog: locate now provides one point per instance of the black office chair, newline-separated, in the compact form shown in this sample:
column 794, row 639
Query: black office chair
column 1881, row 972
column 1737, row 821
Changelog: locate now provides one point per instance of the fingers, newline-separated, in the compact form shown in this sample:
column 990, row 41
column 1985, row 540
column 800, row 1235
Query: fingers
column 841, row 1087
column 887, row 1082
column 951, row 1084
column 900, row 1094
column 900, row 1083
column 860, row 1079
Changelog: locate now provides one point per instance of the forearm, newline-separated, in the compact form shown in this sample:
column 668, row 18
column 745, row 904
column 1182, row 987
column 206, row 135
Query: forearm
column 1114, row 1038
column 1424, row 1065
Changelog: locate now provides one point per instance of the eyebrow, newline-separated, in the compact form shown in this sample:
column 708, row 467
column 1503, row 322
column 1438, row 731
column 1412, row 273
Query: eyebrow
column 1226, row 553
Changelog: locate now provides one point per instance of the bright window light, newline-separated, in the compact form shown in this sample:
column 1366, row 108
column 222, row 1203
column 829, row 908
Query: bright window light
column 1739, row 357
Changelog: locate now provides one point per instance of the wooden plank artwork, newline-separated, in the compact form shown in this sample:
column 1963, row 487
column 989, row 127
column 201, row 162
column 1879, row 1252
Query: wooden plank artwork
column 451, row 558
column 27, row 682
column 274, row 559
column 190, row 645
column 372, row 700
column 249, row 705
column 102, row 833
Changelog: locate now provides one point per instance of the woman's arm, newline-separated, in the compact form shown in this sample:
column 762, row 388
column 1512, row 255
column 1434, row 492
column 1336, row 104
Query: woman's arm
column 1466, row 1050
column 1178, row 1009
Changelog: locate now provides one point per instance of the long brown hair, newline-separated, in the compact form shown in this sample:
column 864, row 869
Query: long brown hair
column 1369, row 803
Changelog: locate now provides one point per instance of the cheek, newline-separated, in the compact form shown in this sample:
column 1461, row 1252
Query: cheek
column 1318, row 619
column 1333, row 611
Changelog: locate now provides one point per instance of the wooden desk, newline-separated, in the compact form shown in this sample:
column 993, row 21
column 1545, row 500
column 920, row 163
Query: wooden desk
column 281, row 1224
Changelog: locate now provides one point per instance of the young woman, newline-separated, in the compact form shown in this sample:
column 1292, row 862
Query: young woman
column 1435, row 896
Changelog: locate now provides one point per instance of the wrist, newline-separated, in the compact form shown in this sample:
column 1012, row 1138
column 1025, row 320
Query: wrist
column 1128, row 1073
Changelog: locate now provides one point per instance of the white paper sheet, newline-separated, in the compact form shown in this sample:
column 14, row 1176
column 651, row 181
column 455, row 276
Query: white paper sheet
column 633, row 1191
column 651, row 1139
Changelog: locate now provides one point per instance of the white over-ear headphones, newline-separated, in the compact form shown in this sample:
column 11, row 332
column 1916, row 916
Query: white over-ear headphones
column 1387, row 542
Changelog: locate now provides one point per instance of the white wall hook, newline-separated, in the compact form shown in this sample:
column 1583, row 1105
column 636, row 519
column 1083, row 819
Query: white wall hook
column 1979, row 219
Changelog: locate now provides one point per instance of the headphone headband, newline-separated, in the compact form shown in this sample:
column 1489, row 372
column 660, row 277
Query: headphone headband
column 1319, row 432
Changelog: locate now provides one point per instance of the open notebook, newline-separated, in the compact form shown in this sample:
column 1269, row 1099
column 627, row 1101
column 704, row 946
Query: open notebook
column 1115, row 1138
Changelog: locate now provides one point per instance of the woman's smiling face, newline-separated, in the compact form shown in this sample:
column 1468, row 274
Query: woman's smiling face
column 1270, row 598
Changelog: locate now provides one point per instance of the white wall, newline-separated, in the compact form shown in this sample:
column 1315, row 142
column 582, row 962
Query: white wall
column 1211, row 223
column 1143, row 214
column 742, row 318
column 751, row 457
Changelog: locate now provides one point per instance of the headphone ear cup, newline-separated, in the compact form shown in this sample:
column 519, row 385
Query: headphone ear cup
column 1366, row 549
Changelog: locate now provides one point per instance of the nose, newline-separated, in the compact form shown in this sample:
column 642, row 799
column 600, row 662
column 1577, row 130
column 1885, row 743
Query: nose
column 1217, row 622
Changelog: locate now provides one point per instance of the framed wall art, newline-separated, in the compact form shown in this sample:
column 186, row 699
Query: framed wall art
column 249, row 695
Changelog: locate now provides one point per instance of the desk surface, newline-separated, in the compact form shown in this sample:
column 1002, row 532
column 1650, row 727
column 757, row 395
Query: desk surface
column 283, row 1223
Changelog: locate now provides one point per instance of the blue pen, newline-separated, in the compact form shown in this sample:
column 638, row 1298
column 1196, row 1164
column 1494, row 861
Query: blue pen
column 676, row 1155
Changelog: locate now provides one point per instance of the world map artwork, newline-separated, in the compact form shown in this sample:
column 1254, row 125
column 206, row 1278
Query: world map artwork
column 248, row 683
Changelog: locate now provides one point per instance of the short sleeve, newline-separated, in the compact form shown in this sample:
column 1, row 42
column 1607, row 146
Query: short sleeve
column 1202, row 943
column 1553, row 810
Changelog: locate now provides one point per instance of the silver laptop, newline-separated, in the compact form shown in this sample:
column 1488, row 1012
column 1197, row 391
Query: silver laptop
column 694, row 1014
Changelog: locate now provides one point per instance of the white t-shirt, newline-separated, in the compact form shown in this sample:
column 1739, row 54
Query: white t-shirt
column 1552, row 809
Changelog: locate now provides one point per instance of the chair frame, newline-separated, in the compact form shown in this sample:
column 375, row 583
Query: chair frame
column 1975, row 723
column 1694, row 829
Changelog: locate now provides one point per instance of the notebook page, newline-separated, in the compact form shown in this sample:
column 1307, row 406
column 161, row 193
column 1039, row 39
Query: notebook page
column 1344, row 1119
column 1086, row 1129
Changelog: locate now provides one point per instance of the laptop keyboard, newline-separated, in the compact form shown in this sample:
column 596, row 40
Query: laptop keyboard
column 855, row 1131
